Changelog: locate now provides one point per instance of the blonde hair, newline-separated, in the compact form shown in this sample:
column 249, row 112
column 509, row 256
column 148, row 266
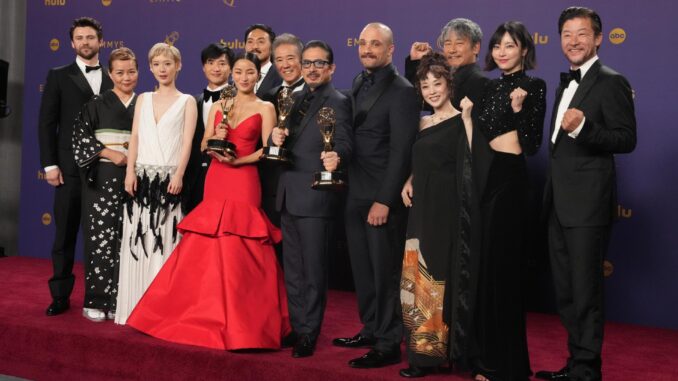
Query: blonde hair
column 162, row 48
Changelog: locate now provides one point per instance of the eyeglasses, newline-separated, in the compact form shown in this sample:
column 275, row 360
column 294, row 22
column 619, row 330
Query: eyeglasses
column 319, row 64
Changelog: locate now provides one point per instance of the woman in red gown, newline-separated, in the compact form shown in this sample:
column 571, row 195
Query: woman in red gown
column 222, row 287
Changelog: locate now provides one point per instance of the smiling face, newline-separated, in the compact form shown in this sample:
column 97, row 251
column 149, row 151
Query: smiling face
column 508, row 54
column 434, row 90
column 245, row 75
column 459, row 50
column 374, row 48
column 579, row 41
column 313, row 75
column 216, row 71
column 287, row 62
column 259, row 43
column 124, row 75
column 165, row 69
column 85, row 42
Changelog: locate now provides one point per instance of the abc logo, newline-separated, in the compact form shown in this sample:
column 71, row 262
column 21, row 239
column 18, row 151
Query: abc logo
column 46, row 219
column 54, row 44
column 608, row 268
column 617, row 36
column 106, row 2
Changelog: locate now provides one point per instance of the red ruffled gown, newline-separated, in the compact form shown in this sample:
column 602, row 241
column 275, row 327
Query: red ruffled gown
column 222, row 287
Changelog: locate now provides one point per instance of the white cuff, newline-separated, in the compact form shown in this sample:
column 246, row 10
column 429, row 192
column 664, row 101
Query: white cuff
column 51, row 167
column 577, row 130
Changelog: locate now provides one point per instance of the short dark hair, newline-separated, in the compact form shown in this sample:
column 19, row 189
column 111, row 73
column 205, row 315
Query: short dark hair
column 84, row 22
column 322, row 45
column 121, row 54
column 216, row 50
column 520, row 36
column 436, row 64
column 264, row 27
column 250, row 57
column 583, row 12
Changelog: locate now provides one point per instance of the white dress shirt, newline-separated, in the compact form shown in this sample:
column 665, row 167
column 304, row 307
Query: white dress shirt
column 207, row 103
column 565, row 100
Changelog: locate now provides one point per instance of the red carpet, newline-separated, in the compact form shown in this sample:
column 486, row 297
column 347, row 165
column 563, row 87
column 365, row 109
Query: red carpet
column 69, row 347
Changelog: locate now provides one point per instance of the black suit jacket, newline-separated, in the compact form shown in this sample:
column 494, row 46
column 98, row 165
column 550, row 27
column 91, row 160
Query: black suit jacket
column 581, row 180
column 66, row 91
column 271, row 80
column 383, row 136
column 306, row 143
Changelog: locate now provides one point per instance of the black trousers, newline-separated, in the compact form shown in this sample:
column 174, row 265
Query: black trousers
column 306, row 245
column 376, row 260
column 576, row 255
column 67, row 209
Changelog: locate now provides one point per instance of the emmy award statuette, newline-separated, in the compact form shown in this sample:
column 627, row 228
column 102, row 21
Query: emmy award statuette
column 275, row 153
column 223, row 146
column 326, row 180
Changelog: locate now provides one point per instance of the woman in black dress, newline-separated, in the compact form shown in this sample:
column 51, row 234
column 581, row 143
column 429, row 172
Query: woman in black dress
column 100, row 139
column 512, row 119
column 435, row 277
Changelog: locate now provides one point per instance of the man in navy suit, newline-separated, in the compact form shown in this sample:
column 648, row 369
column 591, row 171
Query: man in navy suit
column 593, row 119
column 66, row 90
column 308, row 215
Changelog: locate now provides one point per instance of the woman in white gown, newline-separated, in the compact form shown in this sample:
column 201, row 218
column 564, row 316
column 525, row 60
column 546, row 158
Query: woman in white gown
column 159, row 148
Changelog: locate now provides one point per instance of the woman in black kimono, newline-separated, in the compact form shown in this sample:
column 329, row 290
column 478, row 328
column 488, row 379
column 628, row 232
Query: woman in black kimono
column 511, row 119
column 436, row 277
column 100, row 139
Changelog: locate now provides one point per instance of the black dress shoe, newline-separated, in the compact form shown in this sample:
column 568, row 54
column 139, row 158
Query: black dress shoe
column 375, row 359
column 357, row 341
column 561, row 375
column 57, row 307
column 289, row 340
column 304, row 347
column 414, row 372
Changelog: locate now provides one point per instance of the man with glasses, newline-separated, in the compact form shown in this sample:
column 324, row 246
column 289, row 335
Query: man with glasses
column 385, row 120
column 308, row 215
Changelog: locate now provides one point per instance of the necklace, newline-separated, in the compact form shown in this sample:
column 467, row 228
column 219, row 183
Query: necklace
column 439, row 117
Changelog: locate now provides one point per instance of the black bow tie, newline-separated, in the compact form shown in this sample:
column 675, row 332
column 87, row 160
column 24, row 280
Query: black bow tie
column 368, row 78
column 90, row 68
column 214, row 95
column 565, row 78
column 294, row 85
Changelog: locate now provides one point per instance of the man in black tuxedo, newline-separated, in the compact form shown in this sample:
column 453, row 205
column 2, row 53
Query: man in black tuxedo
column 66, row 90
column 217, row 60
column 287, row 59
column 308, row 215
column 259, row 40
column 593, row 119
column 460, row 40
column 386, row 117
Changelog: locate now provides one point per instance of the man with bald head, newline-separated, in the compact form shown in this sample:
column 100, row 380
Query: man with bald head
column 385, row 121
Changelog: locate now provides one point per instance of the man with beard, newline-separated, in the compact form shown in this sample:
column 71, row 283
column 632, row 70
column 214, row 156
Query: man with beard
column 385, row 120
column 66, row 90
column 258, row 40
column 217, row 60
column 308, row 215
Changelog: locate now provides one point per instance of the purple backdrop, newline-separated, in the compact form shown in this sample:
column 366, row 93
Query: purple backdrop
column 643, row 286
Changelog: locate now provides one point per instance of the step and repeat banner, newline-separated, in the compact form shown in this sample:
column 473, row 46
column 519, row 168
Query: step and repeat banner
column 641, row 268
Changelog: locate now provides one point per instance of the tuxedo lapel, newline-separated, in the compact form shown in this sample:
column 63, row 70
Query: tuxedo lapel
column 585, row 85
column 79, row 79
column 373, row 96
column 313, row 109
column 106, row 82
column 357, row 83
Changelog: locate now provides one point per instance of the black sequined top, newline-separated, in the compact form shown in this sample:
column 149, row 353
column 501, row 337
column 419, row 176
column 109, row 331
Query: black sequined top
column 497, row 116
